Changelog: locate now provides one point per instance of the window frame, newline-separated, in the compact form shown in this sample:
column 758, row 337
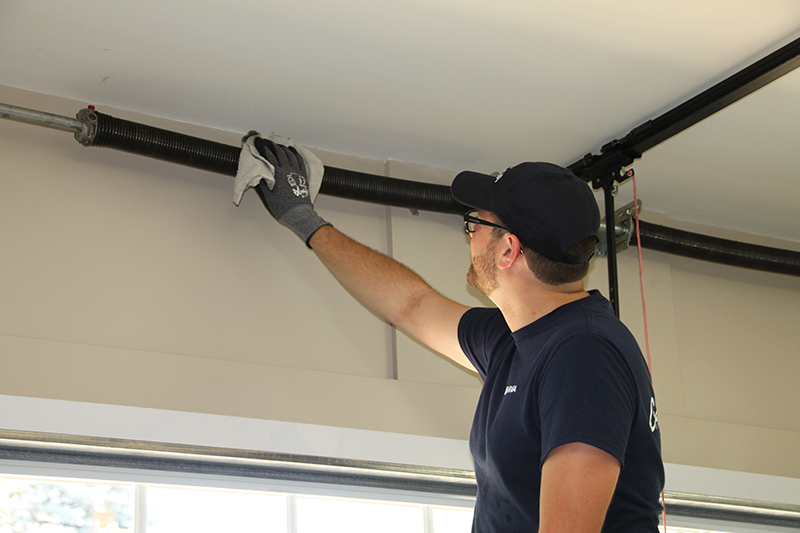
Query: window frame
column 87, row 457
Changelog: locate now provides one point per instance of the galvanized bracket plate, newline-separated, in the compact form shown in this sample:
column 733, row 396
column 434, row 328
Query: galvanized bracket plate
column 624, row 226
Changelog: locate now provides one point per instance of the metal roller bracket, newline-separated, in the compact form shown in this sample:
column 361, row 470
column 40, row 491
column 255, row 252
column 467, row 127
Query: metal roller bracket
column 624, row 225
column 88, row 119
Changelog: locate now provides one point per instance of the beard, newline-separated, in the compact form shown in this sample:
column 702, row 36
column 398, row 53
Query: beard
column 482, row 273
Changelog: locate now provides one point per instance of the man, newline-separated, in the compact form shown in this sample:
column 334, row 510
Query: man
column 565, row 436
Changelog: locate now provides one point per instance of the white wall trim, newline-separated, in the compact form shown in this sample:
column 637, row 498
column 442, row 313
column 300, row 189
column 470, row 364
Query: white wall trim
column 154, row 425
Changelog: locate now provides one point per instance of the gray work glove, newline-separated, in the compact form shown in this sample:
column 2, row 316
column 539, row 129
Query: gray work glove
column 288, row 200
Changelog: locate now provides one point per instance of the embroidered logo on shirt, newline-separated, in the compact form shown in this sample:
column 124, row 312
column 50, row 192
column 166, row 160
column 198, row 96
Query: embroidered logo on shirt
column 653, row 415
column 510, row 389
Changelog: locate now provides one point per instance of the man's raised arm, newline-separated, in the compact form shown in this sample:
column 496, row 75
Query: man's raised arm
column 392, row 291
column 381, row 284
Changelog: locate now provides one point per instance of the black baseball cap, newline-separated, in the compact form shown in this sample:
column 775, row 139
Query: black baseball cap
column 546, row 206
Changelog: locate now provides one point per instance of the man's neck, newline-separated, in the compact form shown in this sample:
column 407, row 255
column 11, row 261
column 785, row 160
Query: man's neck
column 524, row 307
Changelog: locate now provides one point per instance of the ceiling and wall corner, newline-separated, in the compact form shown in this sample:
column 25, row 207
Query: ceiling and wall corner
column 445, row 83
column 121, row 266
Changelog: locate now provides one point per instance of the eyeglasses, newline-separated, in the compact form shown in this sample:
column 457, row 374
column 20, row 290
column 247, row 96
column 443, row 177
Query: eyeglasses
column 471, row 220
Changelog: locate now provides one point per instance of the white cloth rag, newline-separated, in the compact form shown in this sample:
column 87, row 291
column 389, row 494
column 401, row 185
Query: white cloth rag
column 253, row 168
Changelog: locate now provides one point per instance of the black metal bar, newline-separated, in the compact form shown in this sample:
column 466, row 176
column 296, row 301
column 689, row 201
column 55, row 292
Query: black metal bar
column 611, row 239
column 132, row 137
column 200, row 153
column 722, row 251
column 389, row 191
column 223, row 159
column 622, row 152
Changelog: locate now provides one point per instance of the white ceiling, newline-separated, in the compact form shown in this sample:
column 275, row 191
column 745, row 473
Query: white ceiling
column 454, row 84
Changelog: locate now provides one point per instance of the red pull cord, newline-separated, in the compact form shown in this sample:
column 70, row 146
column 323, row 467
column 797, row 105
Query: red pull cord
column 644, row 311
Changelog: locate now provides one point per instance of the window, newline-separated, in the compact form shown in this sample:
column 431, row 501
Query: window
column 337, row 515
column 53, row 483
column 37, row 505
column 171, row 509
column 56, row 506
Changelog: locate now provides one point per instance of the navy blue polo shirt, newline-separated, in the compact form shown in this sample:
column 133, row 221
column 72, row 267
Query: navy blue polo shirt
column 574, row 375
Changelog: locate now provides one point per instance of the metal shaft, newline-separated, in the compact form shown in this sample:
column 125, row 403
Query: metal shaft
column 40, row 118
column 146, row 140
column 611, row 239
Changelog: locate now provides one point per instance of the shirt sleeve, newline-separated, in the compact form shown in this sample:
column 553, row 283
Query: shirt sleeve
column 587, row 394
column 480, row 331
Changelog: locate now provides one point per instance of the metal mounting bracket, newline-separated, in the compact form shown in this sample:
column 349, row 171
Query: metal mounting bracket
column 624, row 226
column 88, row 118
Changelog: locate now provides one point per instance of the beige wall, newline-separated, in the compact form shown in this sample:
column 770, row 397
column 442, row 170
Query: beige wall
column 129, row 281
column 724, row 344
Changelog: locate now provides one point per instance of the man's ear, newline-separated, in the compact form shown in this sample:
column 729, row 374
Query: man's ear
column 509, row 251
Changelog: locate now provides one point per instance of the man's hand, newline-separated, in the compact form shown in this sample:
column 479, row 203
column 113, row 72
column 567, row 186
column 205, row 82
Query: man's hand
column 289, row 200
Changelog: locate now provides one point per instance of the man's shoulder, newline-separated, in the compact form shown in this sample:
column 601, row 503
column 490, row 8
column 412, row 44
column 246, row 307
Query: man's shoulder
column 482, row 314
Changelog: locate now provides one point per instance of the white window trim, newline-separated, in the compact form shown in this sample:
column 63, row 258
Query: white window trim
column 101, row 441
